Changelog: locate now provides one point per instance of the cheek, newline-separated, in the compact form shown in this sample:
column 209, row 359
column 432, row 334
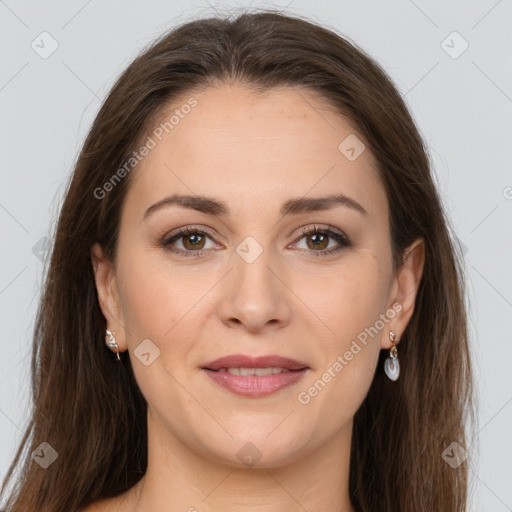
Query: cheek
column 352, row 313
column 349, row 357
column 350, row 299
column 157, row 304
column 154, row 297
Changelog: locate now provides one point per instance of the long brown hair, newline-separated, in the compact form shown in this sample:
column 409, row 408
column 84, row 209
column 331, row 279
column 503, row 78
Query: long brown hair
column 91, row 410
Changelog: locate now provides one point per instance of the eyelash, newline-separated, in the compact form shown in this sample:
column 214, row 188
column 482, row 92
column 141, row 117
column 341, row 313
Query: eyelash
column 339, row 237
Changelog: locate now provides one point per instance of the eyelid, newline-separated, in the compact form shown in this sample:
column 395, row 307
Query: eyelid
column 181, row 232
column 319, row 227
column 192, row 228
column 330, row 231
column 327, row 229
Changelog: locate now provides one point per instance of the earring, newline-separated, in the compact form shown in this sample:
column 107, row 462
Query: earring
column 391, row 364
column 111, row 343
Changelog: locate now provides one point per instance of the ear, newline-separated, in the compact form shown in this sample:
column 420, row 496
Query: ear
column 108, row 296
column 405, row 288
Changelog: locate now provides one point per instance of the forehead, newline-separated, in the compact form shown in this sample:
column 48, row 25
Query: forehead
column 253, row 148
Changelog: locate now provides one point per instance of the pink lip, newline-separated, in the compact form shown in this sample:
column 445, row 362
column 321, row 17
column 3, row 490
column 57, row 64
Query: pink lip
column 243, row 361
column 254, row 385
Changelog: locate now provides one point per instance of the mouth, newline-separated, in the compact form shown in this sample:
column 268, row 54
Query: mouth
column 269, row 364
column 259, row 372
column 255, row 377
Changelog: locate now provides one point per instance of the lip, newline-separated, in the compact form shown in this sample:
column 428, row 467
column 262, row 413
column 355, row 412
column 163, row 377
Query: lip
column 243, row 361
column 254, row 385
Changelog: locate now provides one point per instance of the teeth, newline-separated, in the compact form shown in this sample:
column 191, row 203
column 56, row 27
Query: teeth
column 260, row 372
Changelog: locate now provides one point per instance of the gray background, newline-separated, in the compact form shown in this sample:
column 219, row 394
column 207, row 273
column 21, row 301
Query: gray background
column 462, row 106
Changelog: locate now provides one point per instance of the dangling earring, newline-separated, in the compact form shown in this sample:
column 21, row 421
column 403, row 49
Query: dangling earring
column 111, row 343
column 391, row 364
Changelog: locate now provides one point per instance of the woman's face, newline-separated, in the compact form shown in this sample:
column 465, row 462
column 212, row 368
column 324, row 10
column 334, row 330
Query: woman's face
column 258, row 172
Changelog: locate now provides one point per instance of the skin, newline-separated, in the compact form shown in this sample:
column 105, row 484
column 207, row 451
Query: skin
column 254, row 152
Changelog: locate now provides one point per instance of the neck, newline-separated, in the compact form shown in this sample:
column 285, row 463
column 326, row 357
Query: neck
column 181, row 478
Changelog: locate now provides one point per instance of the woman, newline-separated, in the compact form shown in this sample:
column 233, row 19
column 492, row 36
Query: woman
column 253, row 299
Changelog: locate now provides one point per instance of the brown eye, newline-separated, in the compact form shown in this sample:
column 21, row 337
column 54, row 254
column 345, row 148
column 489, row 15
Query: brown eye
column 318, row 241
column 193, row 241
column 188, row 242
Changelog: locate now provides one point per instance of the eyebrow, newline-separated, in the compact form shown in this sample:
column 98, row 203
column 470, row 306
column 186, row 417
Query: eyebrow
column 215, row 207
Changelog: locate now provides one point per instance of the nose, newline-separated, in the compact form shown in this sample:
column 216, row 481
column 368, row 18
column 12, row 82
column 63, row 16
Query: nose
column 255, row 296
